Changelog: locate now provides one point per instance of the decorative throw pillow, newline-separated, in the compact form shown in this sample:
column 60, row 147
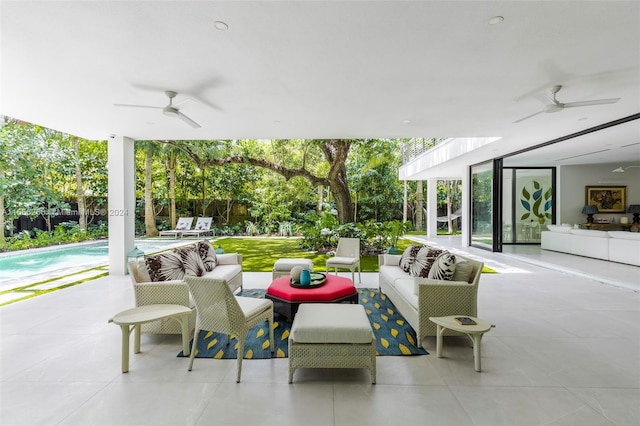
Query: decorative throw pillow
column 443, row 267
column 207, row 254
column 165, row 266
column 191, row 261
column 463, row 271
column 409, row 256
column 417, row 260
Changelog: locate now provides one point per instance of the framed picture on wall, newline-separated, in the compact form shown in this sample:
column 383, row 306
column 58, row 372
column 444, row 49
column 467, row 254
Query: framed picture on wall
column 608, row 199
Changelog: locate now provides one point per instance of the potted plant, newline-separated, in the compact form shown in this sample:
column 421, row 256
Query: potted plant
column 396, row 230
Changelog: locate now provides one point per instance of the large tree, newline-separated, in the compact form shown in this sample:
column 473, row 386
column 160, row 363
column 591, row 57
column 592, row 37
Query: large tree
column 282, row 160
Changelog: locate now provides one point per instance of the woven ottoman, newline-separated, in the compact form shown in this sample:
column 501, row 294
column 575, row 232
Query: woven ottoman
column 328, row 335
column 282, row 267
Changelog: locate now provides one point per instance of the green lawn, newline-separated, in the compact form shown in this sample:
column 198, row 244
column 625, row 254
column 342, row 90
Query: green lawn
column 259, row 254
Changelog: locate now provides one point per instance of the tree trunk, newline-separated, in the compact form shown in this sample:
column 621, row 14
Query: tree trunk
column 449, row 211
column 171, row 167
column 405, row 206
column 82, row 210
column 149, row 216
column 342, row 197
column 320, row 201
column 336, row 152
column 419, row 200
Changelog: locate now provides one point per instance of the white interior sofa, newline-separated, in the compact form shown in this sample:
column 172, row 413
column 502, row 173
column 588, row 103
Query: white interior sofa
column 624, row 247
column 417, row 298
column 149, row 292
column 616, row 246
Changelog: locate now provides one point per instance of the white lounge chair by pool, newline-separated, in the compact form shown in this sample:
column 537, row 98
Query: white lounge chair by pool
column 203, row 227
column 184, row 224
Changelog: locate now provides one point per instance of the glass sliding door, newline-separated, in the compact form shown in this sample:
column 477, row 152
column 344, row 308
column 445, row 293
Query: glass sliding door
column 482, row 184
column 528, row 205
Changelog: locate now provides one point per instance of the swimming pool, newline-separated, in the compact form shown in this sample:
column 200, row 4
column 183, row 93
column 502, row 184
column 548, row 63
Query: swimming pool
column 35, row 262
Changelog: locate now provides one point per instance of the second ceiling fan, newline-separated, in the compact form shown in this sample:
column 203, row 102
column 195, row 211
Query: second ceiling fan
column 170, row 110
column 551, row 104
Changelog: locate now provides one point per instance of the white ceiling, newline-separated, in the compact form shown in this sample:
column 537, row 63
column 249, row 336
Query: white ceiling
column 325, row 69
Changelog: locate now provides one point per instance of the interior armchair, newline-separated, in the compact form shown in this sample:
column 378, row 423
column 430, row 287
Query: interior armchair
column 347, row 257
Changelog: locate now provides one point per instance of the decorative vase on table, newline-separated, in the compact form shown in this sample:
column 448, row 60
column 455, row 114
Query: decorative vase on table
column 393, row 250
column 305, row 277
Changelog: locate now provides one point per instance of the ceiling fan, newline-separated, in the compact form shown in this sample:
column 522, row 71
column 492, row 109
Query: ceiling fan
column 551, row 104
column 169, row 110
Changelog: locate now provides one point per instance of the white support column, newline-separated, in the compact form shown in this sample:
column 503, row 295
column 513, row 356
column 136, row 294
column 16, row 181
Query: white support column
column 465, row 208
column 122, row 202
column 432, row 207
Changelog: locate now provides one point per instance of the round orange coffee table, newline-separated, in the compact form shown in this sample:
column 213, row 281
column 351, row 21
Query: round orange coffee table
column 286, row 298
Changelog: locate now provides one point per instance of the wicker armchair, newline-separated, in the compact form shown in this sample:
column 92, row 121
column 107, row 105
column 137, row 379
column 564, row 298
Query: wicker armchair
column 217, row 309
column 147, row 292
column 347, row 257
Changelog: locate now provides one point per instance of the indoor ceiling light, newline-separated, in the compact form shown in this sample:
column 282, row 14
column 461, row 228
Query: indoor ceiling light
column 621, row 169
column 496, row 20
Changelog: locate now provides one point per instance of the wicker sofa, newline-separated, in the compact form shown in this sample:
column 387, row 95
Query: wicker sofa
column 148, row 292
column 417, row 299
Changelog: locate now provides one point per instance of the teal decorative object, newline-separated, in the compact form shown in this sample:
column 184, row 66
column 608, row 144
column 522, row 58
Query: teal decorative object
column 219, row 250
column 134, row 254
column 305, row 277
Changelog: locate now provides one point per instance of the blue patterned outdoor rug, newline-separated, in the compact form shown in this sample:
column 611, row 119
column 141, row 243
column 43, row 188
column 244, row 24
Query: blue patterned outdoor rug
column 394, row 335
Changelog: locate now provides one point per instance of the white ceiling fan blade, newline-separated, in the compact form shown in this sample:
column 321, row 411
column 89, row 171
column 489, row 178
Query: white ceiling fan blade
column 545, row 99
column 528, row 116
column 137, row 106
column 189, row 121
column 589, row 103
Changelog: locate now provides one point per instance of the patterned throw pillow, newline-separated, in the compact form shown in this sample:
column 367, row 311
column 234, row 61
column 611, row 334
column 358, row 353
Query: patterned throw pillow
column 443, row 267
column 193, row 265
column 417, row 260
column 409, row 256
column 165, row 266
column 207, row 254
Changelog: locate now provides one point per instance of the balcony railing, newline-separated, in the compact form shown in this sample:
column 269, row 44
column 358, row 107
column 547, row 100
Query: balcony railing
column 418, row 146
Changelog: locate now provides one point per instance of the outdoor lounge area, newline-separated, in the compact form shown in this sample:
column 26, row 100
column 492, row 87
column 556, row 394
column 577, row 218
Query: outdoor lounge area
column 564, row 351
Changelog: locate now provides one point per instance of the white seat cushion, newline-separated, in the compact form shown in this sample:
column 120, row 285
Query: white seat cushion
column 393, row 273
column 406, row 287
column 337, row 260
column 223, row 272
column 252, row 306
column 287, row 264
column 331, row 323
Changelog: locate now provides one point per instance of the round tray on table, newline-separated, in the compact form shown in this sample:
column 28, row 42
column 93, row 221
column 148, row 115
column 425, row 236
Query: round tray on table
column 317, row 279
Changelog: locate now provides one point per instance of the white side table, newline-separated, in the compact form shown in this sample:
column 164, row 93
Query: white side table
column 474, row 332
column 131, row 319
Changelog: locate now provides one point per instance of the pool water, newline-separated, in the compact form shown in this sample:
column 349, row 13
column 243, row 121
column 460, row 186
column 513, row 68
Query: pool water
column 20, row 265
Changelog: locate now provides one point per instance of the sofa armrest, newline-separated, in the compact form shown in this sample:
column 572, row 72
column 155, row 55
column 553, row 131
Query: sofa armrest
column 441, row 298
column 229, row 259
column 161, row 292
column 389, row 260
